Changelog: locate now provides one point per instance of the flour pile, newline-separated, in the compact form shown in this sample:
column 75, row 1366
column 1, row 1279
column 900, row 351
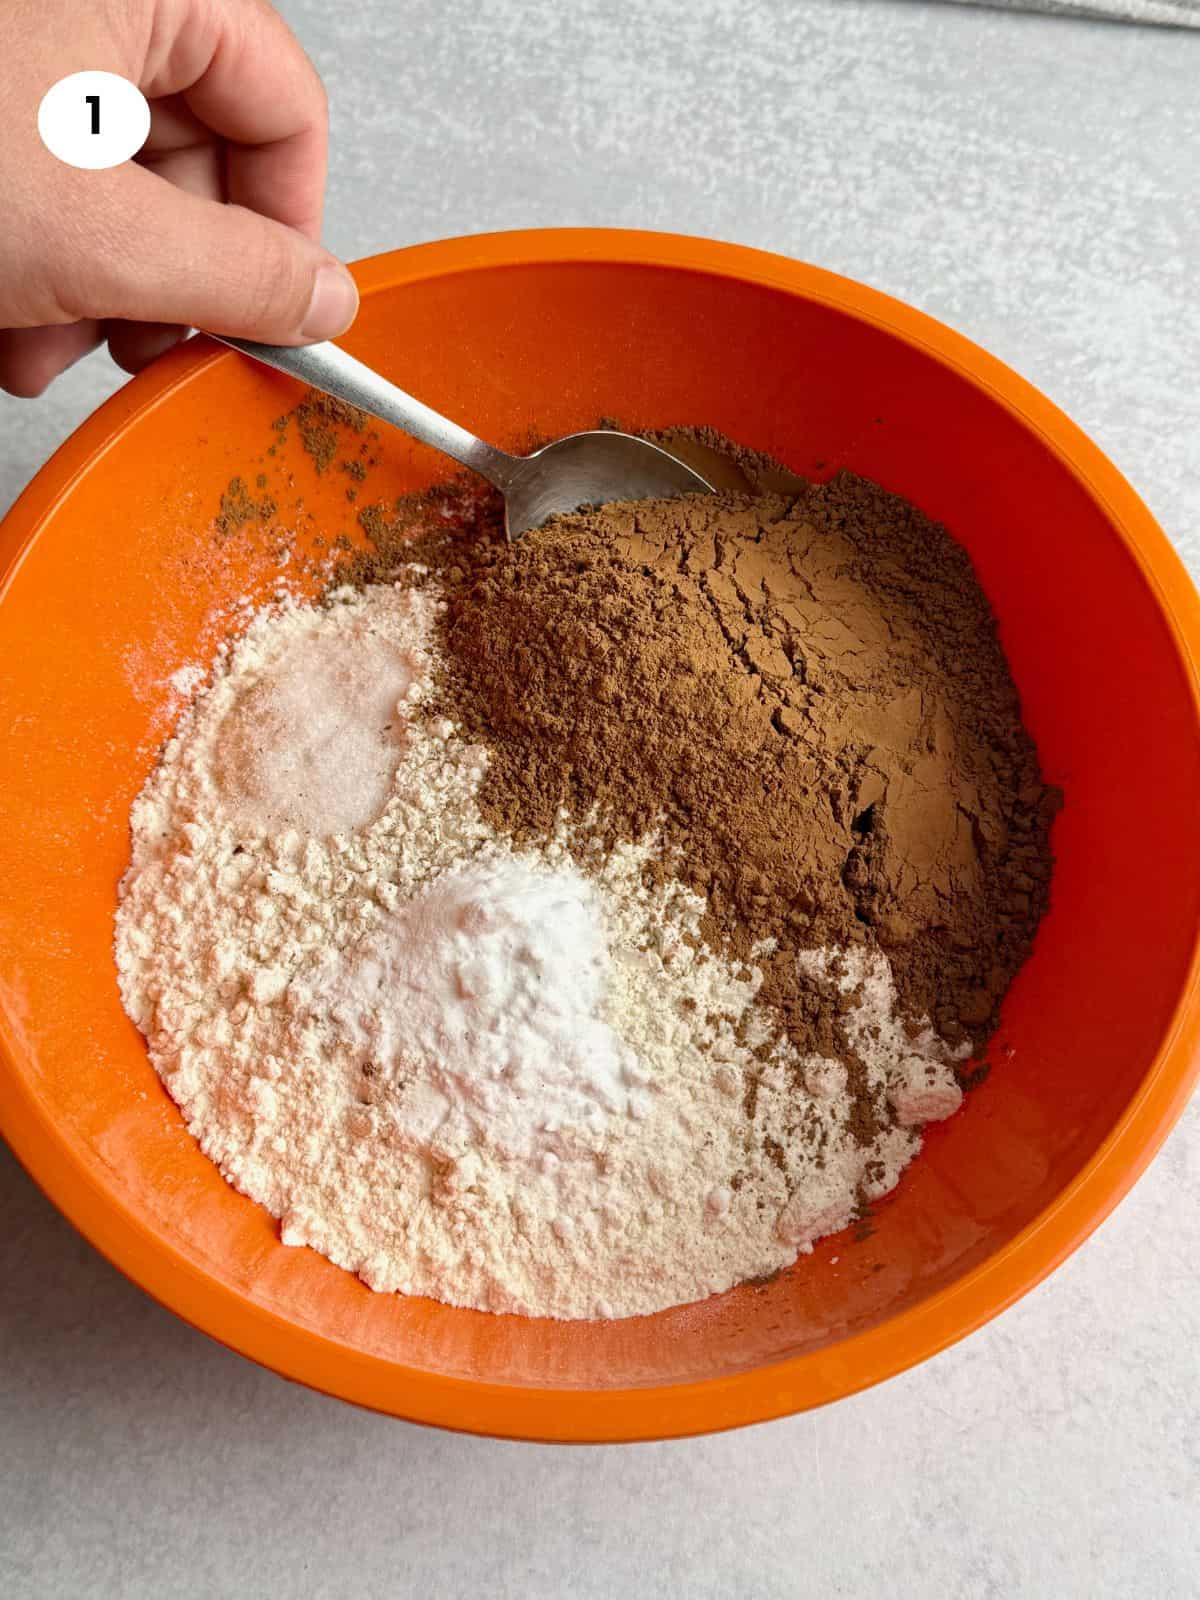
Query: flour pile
column 456, row 1066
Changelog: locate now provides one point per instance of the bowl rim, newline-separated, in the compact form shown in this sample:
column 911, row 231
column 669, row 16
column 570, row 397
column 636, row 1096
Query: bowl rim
column 709, row 1405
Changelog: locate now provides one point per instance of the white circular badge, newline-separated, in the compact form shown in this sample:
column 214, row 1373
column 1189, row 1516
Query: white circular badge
column 94, row 119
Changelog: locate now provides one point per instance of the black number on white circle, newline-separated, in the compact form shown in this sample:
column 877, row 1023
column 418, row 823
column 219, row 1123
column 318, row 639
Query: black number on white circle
column 73, row 127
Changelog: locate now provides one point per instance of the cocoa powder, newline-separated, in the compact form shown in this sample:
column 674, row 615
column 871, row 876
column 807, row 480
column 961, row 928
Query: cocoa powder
column 238, row 507
column 797, row 688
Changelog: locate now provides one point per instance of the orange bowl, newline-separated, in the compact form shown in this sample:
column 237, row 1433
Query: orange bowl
column 113, row 581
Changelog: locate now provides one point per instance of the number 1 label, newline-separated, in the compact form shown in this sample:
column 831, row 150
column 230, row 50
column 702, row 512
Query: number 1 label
column 72, row 127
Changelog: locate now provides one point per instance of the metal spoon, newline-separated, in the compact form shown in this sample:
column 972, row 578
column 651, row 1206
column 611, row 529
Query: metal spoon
column 580, row 469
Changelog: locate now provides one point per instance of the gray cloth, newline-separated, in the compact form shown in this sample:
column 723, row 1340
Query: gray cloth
column 1172, row 13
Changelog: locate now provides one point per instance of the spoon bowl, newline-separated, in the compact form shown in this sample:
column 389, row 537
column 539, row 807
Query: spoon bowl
column 581, row 469
column 585, row 469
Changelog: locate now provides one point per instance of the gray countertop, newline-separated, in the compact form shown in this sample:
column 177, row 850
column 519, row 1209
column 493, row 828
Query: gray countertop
column 1032, row 182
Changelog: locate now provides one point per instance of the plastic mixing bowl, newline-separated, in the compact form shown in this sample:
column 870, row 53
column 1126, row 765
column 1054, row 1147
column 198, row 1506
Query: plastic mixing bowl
column 113, row 579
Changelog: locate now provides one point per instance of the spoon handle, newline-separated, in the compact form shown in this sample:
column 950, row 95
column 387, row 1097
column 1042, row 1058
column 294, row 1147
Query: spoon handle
column 327, row 367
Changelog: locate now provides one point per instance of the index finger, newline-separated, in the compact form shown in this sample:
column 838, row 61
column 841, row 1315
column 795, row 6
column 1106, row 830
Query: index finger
column 243, row 73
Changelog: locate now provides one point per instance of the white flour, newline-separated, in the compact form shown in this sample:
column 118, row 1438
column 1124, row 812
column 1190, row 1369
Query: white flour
column 452, row 1069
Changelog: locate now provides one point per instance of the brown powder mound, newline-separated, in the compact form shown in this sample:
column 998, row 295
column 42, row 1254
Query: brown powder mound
column 804, row 695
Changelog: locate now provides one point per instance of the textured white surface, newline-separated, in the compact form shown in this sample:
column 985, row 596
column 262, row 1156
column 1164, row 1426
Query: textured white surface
column 1031, row 181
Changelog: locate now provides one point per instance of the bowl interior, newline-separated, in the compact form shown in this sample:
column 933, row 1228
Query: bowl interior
column 125, row 582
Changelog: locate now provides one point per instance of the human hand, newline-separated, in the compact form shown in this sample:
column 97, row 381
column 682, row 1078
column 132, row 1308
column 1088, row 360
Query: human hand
column 214, row 224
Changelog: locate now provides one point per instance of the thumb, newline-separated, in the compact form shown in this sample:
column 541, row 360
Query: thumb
column 171, row 256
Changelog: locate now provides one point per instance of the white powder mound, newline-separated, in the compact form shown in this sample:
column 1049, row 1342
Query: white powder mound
column 311, row 737
column 453, row 1069
column 477, row 1006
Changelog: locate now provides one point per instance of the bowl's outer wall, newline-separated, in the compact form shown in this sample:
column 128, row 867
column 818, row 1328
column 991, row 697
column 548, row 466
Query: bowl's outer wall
column 116, row 581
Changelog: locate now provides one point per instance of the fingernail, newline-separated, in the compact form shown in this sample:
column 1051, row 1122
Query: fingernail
column 333, row 306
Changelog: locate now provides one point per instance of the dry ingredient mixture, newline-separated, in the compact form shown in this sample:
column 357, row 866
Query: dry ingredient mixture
column 583, row 926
